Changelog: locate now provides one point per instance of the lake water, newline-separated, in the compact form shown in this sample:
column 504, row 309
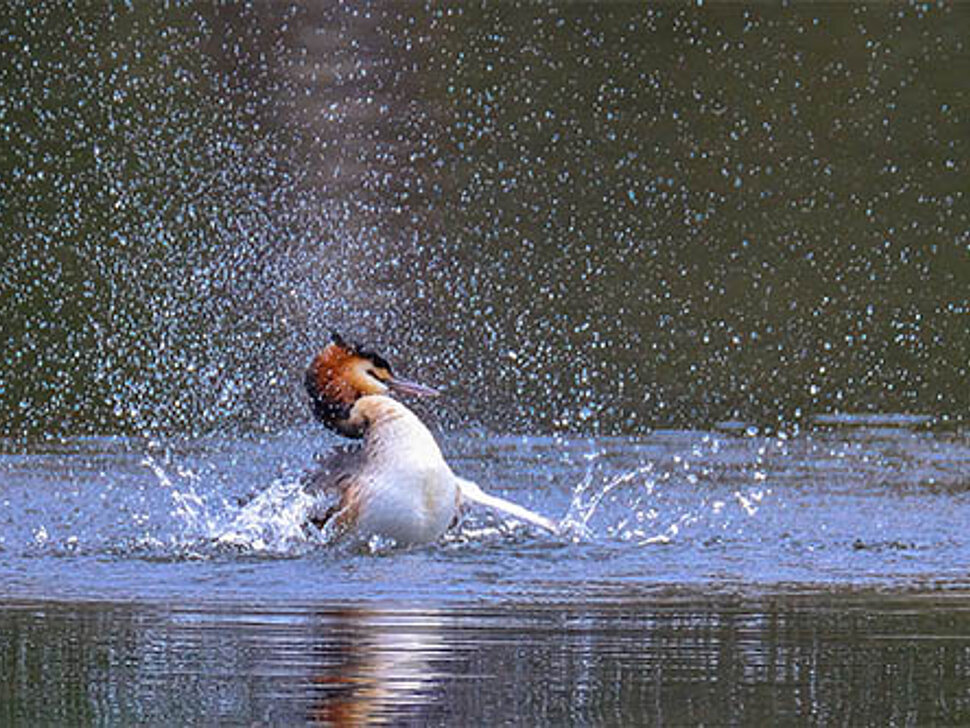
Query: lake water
column 721, row 577
column 694, row 280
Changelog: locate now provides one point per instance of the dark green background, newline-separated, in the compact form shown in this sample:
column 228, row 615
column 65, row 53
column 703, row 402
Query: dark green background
column 600, row 218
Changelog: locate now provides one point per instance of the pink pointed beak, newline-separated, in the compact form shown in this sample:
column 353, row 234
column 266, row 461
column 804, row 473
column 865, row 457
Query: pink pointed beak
column 405, row 386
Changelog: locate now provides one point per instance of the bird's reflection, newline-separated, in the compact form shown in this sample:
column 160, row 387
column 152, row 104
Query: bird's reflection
column 376, row 666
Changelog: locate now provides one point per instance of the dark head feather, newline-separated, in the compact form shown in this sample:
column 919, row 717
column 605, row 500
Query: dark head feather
column 360, row 350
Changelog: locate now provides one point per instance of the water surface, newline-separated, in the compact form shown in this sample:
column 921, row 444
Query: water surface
column 702, row 577
column 659, row 659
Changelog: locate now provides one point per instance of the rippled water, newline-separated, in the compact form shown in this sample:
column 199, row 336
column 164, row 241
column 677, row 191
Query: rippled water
column 727, row 566
column 663, row 659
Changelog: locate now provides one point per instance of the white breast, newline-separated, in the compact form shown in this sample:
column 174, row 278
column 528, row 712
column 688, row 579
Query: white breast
column 407, row 491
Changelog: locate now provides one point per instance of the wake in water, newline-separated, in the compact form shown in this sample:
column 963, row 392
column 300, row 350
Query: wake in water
column 668, row 508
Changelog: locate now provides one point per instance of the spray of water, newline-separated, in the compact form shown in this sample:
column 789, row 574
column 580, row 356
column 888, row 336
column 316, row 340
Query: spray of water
column 586, row 498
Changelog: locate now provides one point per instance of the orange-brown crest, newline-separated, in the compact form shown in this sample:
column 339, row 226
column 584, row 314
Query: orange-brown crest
column 339, row 375
column 343, row 373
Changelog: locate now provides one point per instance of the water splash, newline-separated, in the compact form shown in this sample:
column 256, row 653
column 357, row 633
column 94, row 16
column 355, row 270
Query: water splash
column 586, row 500
column 191, row 191
column 189, row 509
column 675, row 496
column 273, row 522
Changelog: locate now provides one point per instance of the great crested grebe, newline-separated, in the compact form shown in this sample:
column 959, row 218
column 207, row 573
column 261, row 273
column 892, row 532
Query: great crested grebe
column 396, row 484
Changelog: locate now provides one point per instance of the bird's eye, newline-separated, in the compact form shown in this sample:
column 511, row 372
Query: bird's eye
column 376, row 374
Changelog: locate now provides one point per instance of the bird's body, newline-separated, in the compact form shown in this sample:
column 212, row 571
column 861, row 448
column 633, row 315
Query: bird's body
column 396, row 485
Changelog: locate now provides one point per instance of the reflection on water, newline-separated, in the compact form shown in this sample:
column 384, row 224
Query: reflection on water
column 378, row 666
column 671, row 659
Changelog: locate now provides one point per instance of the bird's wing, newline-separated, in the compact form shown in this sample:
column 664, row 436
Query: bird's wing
column 334, row 470
column 474, row 494
column 331, row 482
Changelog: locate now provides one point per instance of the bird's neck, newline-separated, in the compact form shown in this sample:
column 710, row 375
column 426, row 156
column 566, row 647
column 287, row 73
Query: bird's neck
column 390, row 428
